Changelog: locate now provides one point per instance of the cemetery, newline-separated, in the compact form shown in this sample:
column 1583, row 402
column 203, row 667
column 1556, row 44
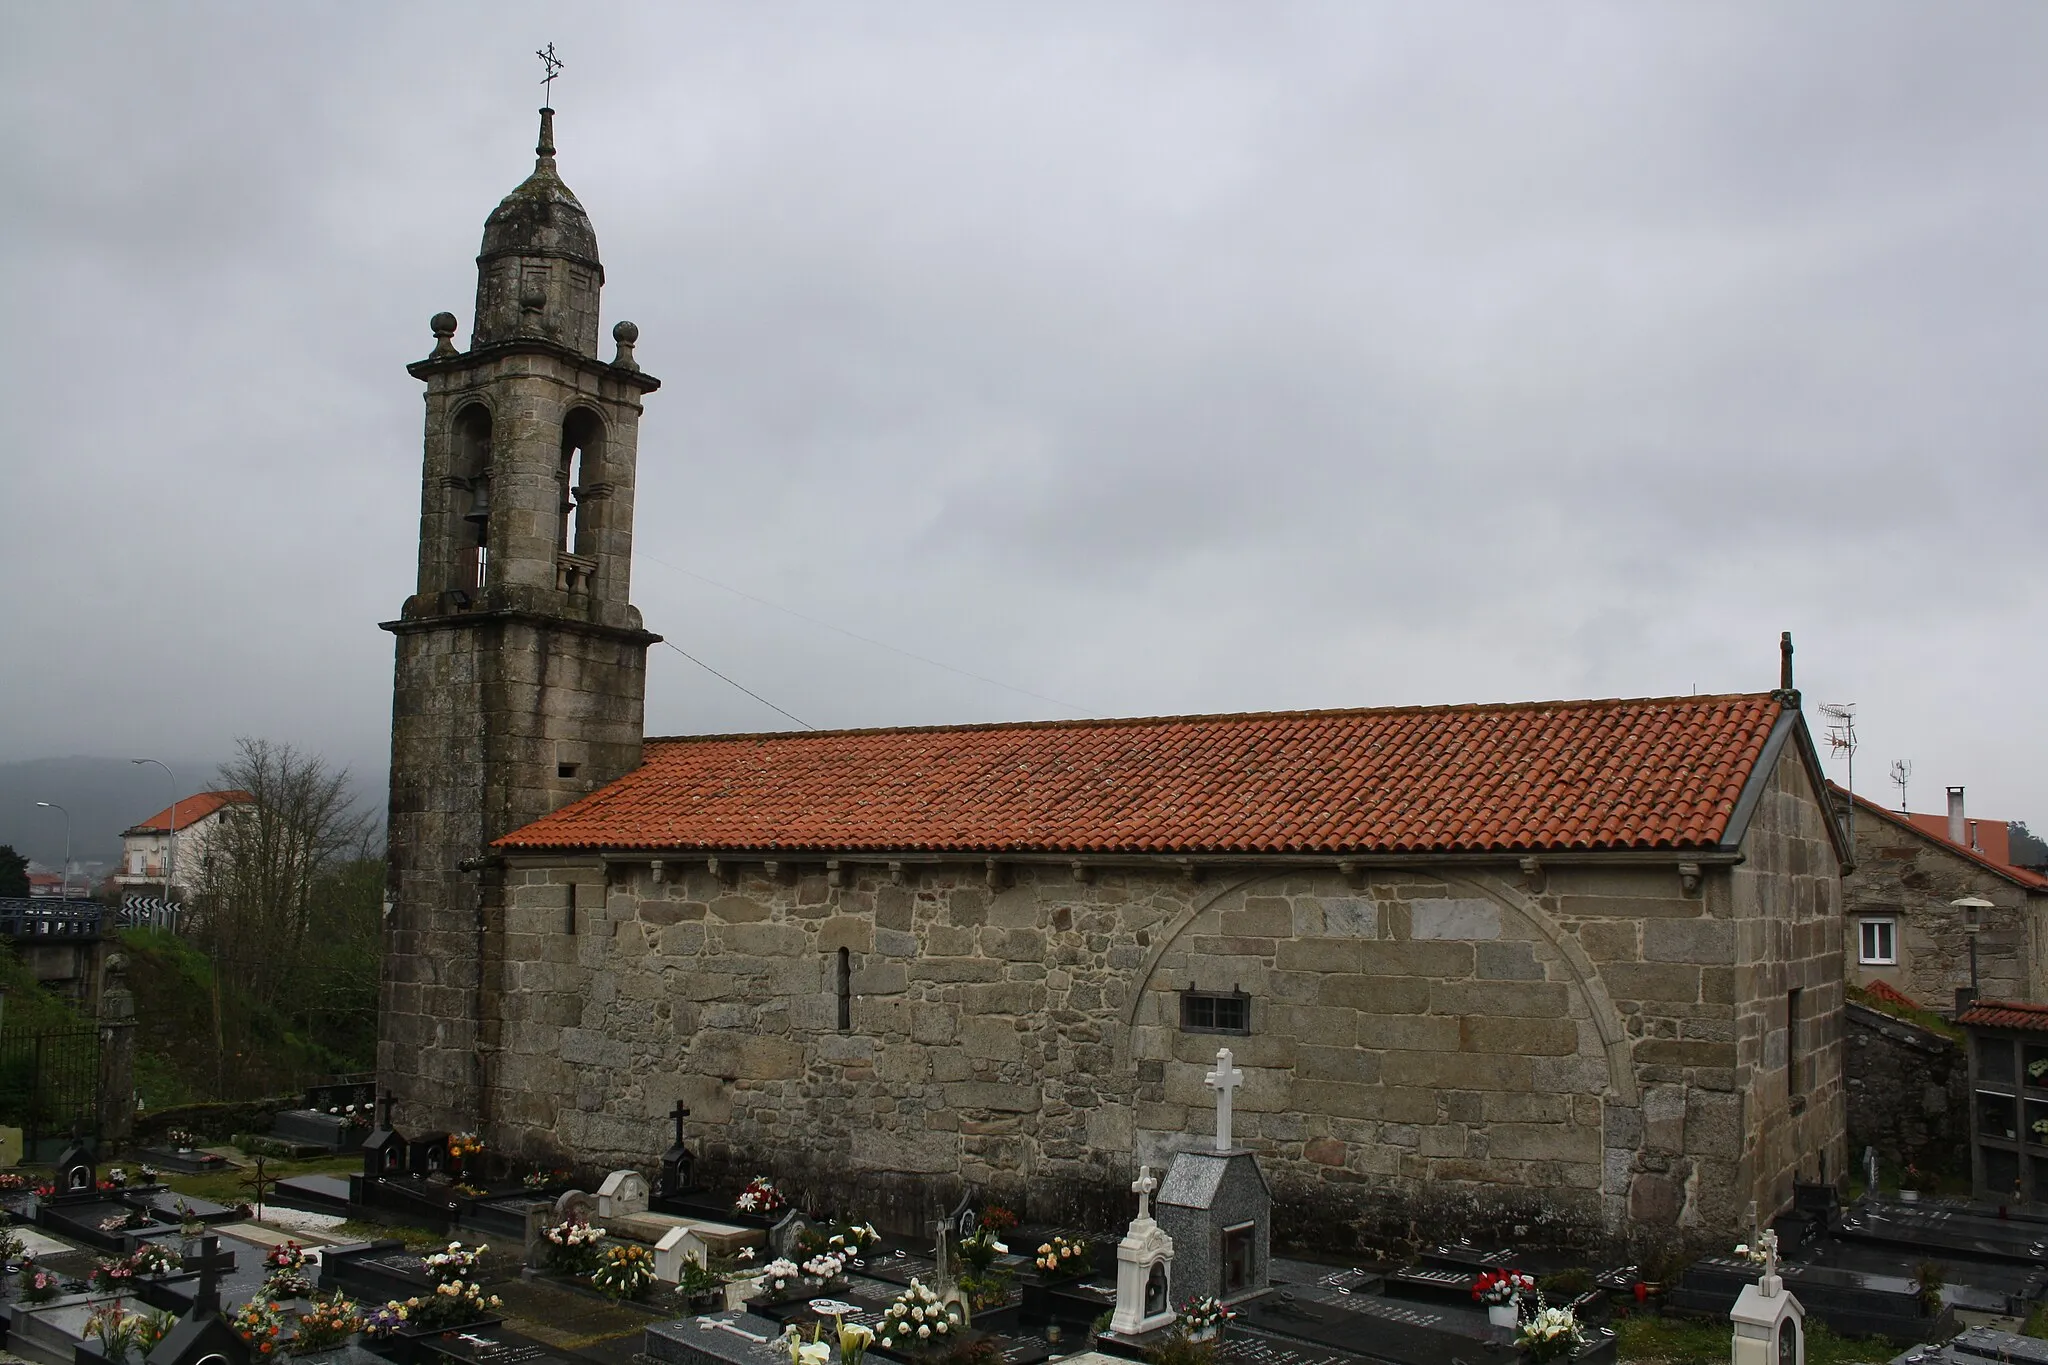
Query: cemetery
column 430, row 1250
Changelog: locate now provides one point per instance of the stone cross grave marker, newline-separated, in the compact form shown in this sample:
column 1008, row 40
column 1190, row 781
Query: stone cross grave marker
column 1143, row 1187
column 1223, row 1080
column 1144, row 1269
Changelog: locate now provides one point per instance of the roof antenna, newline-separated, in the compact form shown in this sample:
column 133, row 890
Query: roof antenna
column 1842, row 740
column 1902, row 770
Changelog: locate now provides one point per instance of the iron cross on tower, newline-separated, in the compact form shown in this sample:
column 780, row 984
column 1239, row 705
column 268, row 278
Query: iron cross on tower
column 553, row 66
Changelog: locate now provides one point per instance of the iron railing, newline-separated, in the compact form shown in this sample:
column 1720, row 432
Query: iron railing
column 21, row 917
column 50, row 1082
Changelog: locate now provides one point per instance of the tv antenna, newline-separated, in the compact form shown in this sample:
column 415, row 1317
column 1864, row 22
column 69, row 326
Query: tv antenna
column 1902, row 772
column 553, row 66
column 1842, row 740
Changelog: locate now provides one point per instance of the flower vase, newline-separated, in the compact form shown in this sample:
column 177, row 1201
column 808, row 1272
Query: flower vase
column 1204, row 1333
column 1503, row 1314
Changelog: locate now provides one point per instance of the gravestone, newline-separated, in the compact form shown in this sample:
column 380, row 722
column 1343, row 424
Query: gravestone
column 1217, row 1208
column 623, row 1193
column 788, row 1232
column 676, row 1247
column 202, row 1335
column 1770, row 1326
column 312, row 1128
column 77, row 1169
column 574, row 1206
column 1144, row 1269
column 676, row 1162
column 427, row 1156
column 383, row 1150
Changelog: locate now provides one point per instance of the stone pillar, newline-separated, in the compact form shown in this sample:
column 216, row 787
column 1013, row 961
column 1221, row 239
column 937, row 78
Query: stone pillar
column 117, row 1055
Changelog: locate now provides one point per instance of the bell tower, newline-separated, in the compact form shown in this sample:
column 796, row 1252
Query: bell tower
column 520, row 682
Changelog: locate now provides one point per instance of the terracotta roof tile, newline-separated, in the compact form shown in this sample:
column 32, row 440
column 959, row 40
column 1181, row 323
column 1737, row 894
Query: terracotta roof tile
column 2003, row 1014
column 1644, row 774
column 2033, row 881
column 191, row 810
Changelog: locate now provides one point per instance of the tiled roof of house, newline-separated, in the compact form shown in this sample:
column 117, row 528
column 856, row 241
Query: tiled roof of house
column 1638, row 774
column 191, row 810
column 2033, row 881
column 2003, row 1014
column 1993, row 838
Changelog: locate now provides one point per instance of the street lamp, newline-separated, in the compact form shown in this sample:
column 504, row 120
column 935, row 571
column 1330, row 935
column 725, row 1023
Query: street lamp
column 52, row 805
column 171, row 833
column 1973, row 908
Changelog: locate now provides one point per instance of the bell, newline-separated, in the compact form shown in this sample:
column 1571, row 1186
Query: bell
column 480, row 504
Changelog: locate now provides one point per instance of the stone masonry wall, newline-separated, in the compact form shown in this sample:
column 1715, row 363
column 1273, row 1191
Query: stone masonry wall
column 1909, row 1094
column 1904, row 875
column 1461, row 1048
column 1788, row 923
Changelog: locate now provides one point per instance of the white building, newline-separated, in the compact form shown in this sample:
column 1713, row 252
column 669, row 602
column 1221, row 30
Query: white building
column 191, row 825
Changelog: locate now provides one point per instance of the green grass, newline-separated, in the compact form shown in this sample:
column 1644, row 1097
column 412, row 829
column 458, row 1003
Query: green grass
column 1926, row 1019
column 227, row 1187
column 1692, row 1341
column 2037, row 1322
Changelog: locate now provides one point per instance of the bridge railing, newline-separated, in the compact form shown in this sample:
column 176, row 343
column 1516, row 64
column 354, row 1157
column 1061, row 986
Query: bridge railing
column 24, row 918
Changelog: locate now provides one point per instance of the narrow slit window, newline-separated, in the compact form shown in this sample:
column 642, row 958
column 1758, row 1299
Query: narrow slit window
column 842, row 988
column 1795, row 1053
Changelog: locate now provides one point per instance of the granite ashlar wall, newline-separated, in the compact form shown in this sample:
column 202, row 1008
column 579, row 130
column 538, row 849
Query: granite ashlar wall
column 1574, row 1055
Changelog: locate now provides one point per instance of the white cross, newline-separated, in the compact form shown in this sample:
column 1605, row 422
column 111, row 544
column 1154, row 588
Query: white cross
column 1143, row 1187
column 1770, row 1241
column 1224, row 1079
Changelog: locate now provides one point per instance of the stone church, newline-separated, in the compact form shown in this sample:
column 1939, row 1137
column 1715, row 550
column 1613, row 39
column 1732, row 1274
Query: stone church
column 1568, row 971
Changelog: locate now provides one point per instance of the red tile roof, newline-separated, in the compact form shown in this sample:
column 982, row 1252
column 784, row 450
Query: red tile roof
column 2033, row 881
column 191, row 810
column 1885, row 991
column 1659, row 773
column 1993, row 838
column 2002, row 1014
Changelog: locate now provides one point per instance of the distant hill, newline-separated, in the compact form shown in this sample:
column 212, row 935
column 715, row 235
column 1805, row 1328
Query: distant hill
column 106, row 796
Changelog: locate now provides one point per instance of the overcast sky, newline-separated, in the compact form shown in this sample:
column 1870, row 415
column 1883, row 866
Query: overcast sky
column 1149, row 358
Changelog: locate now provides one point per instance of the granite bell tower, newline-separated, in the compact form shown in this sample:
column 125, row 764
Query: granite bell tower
column 521, row 672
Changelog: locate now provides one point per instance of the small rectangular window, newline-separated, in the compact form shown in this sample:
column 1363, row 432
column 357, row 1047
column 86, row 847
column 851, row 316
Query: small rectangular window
column 1215, row 1012
column 1878, row 942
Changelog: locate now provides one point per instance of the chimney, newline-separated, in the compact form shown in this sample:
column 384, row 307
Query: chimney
column 1958, row 832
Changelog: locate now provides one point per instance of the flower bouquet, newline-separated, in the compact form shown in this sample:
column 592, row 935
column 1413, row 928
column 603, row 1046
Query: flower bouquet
column 181, row 1139
column 984, row 1283
column 11, row 1181
column 915, row 1321
column 327, row 1324
column 998, row 1219
column 284, row 1272
column 455, row 1264
column 1498, row 1290
column 854, row 1341
column 1201, row 1318
column 824, row 1270
column 1063, row 1257
column 121, row 1330
column 1551, row 1333
column 572, row 1246
column 259, row 1323
column 111, row 1276
column 37, row 1284
column 624, row 1272
column 850, row 1239
column 453, row 1304
column 701, row 1289
column 802, row 1352
column 781, row 1278
column 760, row 1197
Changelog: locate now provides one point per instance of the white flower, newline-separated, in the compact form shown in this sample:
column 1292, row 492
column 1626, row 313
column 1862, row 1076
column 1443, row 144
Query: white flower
column 923, row 1332
column 813, row 1353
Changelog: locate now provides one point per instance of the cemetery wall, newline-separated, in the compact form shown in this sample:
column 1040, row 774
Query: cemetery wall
column 1909, row 1093
column 1572, row 1054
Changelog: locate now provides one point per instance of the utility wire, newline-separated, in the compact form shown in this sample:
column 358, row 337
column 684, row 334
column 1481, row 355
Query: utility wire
column 856, row 635
column 730, row 683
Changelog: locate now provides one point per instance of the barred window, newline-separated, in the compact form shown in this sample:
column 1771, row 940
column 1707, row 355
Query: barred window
column 1215, row 1012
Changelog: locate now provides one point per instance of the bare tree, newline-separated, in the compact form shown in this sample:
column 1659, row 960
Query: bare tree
column 282, row 882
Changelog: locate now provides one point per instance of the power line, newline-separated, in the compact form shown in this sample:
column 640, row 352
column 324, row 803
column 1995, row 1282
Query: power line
column 730, row 683
column 864, row 639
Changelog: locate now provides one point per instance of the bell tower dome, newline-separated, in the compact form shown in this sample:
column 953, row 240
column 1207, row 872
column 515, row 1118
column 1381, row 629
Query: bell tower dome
column 538, row 274
column 520, row 679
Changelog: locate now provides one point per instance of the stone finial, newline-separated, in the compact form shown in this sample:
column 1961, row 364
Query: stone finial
column 544, row 150
column 444, row 333
column 625, row 333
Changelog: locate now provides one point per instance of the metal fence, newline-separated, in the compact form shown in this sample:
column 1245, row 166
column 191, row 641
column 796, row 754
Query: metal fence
column 50, row 1083
column 22, row 917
